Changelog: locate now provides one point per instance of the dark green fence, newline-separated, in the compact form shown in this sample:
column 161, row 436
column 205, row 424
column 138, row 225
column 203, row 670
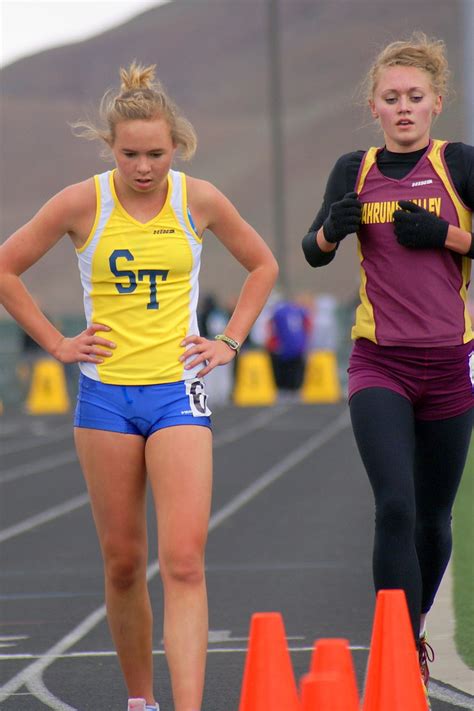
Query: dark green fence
column 17, row 360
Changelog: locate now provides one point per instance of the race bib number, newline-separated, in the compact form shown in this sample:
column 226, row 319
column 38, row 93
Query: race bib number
column 197, row 398
column 471, row 368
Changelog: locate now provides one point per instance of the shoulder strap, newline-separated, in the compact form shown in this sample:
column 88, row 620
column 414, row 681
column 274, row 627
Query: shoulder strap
column 366, row 164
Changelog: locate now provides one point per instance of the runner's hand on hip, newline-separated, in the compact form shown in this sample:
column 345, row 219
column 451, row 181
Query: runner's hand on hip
column 85, row 347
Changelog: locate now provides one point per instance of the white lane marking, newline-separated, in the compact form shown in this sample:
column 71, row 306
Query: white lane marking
column 437, row 691
column 44, row 463
column 45, row 660
column 275, row 472
column 450, row 696
column 158, row 652
column 8, row 429
column 42, row 439
column 223, row 636
column 40, row 465
column 44, row 517
column 249, row 493
column 39, row 691
column 250, row 425
column 28, row 524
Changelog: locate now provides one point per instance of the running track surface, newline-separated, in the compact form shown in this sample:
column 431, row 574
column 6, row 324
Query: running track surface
column 291, row 531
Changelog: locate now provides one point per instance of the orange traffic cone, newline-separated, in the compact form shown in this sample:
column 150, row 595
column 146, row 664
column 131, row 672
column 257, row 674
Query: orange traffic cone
column 269, row 682
column 326, row 691
column 393, row 680
column 333, row 657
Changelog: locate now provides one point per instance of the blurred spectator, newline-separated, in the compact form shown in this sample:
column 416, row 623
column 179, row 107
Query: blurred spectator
column 29, row 347
column 31, row 352
column 212, row 318
column 325, row 334
column 289, row 328
column 261, row 327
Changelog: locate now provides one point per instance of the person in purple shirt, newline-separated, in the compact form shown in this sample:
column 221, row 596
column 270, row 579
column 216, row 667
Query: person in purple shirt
column 411, row 370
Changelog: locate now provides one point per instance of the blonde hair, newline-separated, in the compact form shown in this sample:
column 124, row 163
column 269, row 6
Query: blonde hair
column 141, row 97
column 420, row 51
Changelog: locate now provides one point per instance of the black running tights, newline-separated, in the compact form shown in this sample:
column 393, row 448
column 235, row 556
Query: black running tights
column 414, row 467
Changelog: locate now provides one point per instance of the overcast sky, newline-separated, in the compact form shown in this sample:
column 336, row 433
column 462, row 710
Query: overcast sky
column 29, row 26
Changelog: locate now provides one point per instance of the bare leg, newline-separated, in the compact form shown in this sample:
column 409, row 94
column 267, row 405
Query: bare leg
column 179, row 464
column 114, row 469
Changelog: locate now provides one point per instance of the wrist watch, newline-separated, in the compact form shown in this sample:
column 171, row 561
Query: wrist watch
column 231, row 342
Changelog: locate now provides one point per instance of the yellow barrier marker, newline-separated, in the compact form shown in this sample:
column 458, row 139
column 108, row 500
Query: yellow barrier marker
column 321, row 380
column 254, row 384
column 48, row 391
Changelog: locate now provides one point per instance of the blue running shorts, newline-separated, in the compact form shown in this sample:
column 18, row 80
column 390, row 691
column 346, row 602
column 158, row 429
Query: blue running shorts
column 140, row 409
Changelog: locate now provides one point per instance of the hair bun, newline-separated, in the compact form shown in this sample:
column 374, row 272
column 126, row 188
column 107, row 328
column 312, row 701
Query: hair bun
column 137, row 76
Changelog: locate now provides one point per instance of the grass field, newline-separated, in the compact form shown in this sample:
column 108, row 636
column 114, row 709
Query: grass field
column 463, row 563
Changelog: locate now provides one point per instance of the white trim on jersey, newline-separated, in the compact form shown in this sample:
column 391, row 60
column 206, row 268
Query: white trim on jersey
column 195, row 246
column 85, row 257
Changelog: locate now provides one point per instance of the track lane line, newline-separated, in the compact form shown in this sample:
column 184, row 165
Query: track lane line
column 28, row 524
column 45, row 463
column 248, row 494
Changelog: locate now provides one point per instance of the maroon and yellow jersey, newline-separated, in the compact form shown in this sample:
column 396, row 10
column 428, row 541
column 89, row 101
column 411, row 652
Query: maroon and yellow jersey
column 410, row 297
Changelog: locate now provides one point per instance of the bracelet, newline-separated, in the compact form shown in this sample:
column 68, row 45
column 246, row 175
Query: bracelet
column 231, row 342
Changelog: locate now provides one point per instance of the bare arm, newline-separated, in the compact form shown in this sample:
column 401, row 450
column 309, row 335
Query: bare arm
column 213, row 211
column 68, row 211
column 459, row 240
column 323, row 244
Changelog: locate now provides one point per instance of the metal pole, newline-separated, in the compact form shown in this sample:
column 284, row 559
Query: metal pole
column 468, row 21
column 277, row 147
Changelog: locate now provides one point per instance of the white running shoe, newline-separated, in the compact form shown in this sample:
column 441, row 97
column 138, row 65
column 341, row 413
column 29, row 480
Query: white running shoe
column 136, row 705
column 139, row 705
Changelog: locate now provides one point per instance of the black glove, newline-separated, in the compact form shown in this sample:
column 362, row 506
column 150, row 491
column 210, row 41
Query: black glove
column 417, row 228
column 343, row 219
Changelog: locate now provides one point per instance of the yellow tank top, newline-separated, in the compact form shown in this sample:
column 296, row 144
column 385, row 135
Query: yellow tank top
column 141, row 279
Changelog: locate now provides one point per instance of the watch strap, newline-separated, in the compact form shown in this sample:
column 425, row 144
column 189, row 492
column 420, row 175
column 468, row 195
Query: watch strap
column 231, row 342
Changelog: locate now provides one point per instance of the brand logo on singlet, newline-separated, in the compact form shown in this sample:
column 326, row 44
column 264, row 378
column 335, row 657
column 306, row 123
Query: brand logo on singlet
column 164, row 232
column 419, row 183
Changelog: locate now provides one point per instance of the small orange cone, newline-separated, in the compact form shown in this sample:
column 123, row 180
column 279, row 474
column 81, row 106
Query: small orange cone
column 393, row 679
column 325, row 691
column 268, row 683
column 333, row 657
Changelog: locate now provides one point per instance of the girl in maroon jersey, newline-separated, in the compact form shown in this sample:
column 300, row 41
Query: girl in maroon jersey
column 411, row 370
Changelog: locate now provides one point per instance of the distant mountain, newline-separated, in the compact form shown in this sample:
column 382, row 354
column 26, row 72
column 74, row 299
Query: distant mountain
column 212, row 55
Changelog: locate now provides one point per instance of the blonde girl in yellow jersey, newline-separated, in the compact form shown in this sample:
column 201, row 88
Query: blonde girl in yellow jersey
column 142, row 411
